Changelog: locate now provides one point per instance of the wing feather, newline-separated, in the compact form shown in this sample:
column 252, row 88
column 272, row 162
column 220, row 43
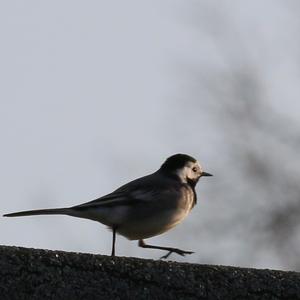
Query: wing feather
column 142, row 189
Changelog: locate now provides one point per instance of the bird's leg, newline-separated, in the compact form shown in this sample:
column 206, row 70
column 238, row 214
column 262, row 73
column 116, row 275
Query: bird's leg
column 113, row 241
column 171, row 250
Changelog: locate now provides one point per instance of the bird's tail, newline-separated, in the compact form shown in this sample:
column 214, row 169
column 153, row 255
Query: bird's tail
column 50, row 211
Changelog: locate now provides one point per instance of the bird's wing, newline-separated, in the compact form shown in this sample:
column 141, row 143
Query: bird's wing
column 142, row 189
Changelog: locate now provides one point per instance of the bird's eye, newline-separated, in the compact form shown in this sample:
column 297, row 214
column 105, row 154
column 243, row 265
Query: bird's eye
column 194, row 169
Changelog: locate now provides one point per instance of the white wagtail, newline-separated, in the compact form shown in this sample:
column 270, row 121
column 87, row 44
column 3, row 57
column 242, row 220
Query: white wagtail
column 144, row 207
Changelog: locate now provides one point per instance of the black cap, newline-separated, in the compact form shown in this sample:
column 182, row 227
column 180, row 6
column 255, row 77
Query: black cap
column 176, row 162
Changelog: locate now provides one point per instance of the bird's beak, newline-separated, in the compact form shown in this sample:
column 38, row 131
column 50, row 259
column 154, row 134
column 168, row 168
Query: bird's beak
column 206, row 174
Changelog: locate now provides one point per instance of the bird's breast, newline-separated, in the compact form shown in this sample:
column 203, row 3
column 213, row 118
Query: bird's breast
column 159, row 218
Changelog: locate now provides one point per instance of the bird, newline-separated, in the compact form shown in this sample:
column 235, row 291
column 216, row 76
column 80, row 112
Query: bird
column 145, row 207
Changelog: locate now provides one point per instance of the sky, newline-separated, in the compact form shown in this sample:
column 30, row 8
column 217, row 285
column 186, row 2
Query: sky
column 96, row 93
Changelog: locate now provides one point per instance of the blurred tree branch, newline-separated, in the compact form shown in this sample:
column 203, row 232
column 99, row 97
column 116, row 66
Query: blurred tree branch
column 263, row 145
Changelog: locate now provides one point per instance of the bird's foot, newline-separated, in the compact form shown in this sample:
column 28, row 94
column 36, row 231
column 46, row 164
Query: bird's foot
column 177, row 251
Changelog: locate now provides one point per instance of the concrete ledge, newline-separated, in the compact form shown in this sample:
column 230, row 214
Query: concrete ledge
column 42, row 274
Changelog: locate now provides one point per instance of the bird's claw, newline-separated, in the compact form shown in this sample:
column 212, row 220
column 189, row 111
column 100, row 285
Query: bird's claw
column 177, row 251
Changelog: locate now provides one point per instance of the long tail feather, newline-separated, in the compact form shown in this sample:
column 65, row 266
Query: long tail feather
column 51, row 211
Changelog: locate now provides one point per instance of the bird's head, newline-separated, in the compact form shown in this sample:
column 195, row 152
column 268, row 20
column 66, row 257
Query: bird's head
column 185, row 167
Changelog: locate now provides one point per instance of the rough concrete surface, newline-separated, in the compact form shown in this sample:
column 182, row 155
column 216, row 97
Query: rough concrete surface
column 42, row 274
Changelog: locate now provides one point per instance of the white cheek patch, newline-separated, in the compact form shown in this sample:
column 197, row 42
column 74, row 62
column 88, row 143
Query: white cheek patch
column 183, row 173
column 188, row 173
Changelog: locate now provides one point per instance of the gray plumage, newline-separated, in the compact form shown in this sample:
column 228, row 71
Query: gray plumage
column 144, row 207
